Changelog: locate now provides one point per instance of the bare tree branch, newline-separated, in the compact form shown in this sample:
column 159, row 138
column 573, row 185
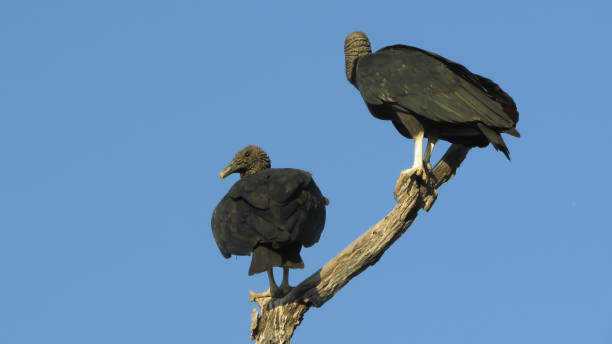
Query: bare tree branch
column 280, row 317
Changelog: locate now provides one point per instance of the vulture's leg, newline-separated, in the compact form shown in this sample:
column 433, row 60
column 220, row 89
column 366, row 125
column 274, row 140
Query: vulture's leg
column 285, row 287
column 274, row 291
column 418, row 170
column 417, row 166
column 431, row 142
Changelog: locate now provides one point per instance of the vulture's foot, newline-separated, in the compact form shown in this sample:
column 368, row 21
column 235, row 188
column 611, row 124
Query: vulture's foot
column 424, row 178
column 406, row 177
column 285, row 289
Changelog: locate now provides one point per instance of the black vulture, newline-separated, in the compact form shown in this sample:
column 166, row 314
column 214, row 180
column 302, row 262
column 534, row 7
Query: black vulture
column 269, row 212
column 425, row 95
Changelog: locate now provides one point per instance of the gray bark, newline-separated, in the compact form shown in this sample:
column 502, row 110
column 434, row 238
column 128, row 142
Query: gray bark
column 280, row 317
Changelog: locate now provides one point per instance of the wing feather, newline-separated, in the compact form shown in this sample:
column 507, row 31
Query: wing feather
column 412, row 80
column 277, row 206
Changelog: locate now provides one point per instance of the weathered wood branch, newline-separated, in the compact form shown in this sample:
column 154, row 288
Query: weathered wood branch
column 280, row 317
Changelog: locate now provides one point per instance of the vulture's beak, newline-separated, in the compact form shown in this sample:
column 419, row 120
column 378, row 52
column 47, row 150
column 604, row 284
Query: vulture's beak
column 226, row 171
column 233, row 167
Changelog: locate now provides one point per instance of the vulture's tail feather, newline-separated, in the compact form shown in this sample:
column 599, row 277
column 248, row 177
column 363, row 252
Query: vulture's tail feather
column 495, row 139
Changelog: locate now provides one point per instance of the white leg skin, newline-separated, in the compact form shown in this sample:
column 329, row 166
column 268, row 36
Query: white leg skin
column 418, row 155
column 418, row 150
column 431, row 142
column 417, row 167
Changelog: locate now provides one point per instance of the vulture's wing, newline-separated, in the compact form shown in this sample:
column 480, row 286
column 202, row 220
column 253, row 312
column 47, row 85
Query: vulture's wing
column 235, row 226
column 413, row 80
column 277, row 206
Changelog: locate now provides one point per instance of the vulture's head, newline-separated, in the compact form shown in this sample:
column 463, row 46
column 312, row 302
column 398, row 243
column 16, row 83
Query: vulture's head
column 356, row 44
column 249, row 160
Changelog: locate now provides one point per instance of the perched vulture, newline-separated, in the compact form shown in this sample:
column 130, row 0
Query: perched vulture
column 426, row 95
column 269, row 212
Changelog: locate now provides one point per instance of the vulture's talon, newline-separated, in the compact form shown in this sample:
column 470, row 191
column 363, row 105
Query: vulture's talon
column 423, row 176
column 276, row 292
column 405, row 178
column 285, row 289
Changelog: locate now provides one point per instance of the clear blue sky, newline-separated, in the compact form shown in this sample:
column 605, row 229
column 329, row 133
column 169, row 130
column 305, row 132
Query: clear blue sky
column 117, row 116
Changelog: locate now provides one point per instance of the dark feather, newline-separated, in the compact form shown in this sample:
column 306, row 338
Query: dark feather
column 278, row 209
column 447, row 99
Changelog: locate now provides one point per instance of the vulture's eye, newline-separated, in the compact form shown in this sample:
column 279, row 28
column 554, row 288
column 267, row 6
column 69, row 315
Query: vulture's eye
column 247, row 153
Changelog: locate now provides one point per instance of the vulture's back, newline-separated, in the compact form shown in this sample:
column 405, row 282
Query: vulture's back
column 278, row 207
column 417, row 81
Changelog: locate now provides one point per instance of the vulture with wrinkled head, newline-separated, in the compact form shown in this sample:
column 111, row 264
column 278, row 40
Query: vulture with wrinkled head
column 426, row 95
column 269, row 213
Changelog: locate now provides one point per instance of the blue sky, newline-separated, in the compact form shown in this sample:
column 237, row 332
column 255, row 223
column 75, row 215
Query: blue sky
column 116, row 118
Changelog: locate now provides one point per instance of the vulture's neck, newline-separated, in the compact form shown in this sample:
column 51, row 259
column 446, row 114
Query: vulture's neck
column 263, row 163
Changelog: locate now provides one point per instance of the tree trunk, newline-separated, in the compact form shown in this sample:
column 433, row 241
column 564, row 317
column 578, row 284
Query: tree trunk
column 280, row 317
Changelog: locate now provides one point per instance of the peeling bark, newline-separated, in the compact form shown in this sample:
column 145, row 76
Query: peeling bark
column 280, row 317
